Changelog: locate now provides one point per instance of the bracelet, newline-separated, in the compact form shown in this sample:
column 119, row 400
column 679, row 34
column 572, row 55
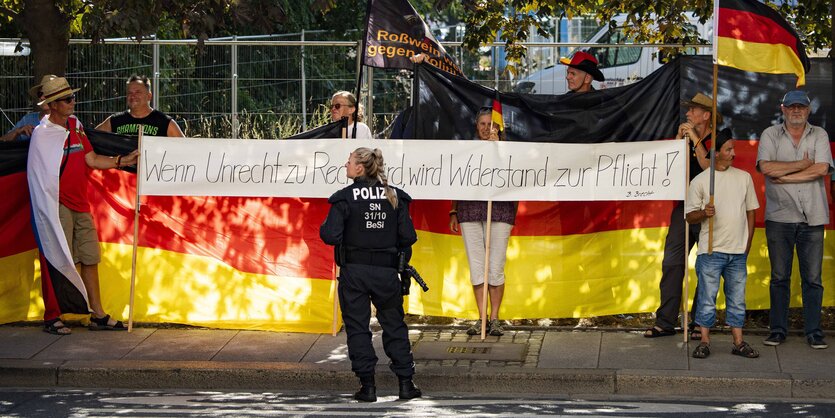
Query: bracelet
column 119, row 161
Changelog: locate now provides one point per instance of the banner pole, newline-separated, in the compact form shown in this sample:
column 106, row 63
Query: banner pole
column 335, row 295
column 486, row 270
column 335, row 268
column 136, row 209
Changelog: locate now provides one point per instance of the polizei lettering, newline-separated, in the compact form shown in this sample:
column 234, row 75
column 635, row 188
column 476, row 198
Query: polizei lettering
column 370, row 193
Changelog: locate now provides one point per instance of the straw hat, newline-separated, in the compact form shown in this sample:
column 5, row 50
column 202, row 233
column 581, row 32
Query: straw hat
column 704, row 102
column 56, row 88
column 33, row 91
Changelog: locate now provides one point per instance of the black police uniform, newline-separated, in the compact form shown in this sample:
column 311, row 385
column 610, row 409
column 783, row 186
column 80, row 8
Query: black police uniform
column 368, row 233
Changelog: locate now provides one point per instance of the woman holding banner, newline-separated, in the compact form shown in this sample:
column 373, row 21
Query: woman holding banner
column 369, row 224
column 344, row 105
column 470, row 217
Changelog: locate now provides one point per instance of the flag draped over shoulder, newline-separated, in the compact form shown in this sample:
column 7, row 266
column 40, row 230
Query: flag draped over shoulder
column 753, row 37
column 396, row 32
column 63, row 289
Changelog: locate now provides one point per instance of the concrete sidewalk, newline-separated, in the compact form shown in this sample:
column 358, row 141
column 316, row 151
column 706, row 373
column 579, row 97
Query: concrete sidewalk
column 535, row 361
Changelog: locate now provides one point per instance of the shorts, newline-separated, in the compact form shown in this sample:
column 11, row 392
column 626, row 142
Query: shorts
column 81, row 235
column 474, row 234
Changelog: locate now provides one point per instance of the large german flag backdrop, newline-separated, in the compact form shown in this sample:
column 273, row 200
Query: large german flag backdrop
column 753, row 37
column 258, row 262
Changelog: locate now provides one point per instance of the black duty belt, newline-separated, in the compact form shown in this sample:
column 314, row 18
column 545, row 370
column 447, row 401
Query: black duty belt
column 371, row 258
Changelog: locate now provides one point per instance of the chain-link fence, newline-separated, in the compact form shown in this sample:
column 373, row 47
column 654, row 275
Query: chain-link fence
column 269, row 87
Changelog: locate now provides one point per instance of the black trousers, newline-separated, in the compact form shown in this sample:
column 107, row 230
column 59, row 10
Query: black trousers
column 672, row 269
column 360, row 284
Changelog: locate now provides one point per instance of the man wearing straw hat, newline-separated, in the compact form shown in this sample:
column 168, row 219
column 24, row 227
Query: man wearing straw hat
column 60, row 156
column 697, row 129
column 22, row 130
column 140, row 112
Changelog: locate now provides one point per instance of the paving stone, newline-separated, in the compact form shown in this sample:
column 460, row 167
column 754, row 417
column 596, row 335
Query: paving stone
column 24, row 342
column 83, row 344
column 267, row 346
column 180, row 344
column 569, row 350
column 633, row 349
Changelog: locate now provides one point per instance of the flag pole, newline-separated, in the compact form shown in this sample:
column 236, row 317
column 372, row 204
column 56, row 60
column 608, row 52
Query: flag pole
column 136, row 208
column 685, row 319
column 360, row 61
column 713, row 120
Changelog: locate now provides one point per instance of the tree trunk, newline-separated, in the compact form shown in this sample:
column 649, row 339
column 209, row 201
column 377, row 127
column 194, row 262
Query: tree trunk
column 48, row 31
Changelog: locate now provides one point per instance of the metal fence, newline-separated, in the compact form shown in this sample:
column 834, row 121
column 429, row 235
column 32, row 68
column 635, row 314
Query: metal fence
column 271, row 87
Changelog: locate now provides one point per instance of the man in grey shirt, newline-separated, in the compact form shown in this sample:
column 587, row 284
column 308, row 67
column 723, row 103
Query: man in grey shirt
column 795, row 158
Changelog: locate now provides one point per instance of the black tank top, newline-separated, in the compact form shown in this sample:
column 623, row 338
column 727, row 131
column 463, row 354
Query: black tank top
column 156, row 123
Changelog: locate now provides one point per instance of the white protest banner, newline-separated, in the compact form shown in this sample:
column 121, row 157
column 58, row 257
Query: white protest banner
column 426, row 169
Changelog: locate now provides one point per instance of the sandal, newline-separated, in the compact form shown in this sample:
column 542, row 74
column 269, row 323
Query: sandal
column 695, row 331
column 474, row 329
column 56, row 327
column 745, row 350
column 103, row 324
column 656, row 332
column 702, row 351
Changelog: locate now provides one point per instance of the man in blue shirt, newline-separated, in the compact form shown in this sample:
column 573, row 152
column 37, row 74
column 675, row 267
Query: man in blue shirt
column 22, row 130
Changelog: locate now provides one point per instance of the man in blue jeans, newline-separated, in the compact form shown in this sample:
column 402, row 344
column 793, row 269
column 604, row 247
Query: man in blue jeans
column 795, row 158
column 734, row 203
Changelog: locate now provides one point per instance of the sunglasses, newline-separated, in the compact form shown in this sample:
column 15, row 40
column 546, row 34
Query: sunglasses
column 68, row 99
column 338, row 106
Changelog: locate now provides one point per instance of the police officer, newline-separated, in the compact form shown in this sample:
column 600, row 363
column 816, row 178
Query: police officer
column 369, row 224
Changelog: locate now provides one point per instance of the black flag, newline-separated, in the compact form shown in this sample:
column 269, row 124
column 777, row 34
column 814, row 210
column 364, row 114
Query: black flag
column 396, row 32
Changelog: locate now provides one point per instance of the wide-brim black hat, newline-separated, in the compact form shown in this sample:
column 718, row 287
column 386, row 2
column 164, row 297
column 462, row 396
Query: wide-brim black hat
column 585, row 62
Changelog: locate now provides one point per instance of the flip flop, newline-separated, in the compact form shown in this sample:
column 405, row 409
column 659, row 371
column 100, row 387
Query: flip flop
column 656, row 332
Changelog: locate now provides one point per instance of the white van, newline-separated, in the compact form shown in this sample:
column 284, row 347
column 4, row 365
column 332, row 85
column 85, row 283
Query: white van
column 7, row 49
column 620, row 65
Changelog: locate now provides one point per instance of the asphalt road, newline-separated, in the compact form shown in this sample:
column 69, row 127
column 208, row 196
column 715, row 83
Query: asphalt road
column 122, row 403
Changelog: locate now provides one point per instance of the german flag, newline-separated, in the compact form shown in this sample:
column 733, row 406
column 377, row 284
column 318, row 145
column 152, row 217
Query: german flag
column 753, row 37
column 496, row 116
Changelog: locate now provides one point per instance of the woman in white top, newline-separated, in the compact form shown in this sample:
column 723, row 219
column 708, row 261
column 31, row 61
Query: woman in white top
column 343, row 104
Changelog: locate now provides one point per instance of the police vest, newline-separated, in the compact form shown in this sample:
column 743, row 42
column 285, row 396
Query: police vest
column 372, row 221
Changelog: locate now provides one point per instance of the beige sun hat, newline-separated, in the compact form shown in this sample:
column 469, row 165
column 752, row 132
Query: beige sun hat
column 33, row 91
column 705, row 102
column 55, row 89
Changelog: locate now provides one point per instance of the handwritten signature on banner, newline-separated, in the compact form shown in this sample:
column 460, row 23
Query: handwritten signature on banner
column 472, row 170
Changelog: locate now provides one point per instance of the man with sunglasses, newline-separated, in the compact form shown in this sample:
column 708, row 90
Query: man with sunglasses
column 140, row 112
column 60, row 159
column 795, row 158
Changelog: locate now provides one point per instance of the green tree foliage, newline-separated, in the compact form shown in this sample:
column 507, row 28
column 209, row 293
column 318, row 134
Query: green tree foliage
column 48, row 24
column 660, row 21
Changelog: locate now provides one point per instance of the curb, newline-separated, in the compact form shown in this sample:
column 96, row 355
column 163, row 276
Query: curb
column 507, row 380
